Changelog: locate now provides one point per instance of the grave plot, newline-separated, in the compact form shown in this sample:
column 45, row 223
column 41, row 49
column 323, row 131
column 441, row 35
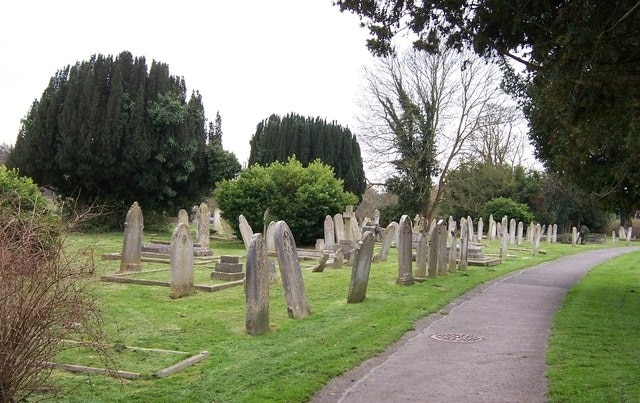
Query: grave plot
column 129, row 362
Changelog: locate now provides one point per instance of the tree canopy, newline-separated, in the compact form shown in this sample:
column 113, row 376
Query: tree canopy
column 110, row 130
column 278, row 138
column 581, row 85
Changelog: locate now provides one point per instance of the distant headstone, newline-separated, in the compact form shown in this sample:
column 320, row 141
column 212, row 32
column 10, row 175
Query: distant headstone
column 480, row 229
column 203, row 226
column 613, row 236
column 228, row 268
column 629, row 233
column 442, row 249
column 387, row 238
column 405, row 276
column 434, row 248
column 348, row 216
column 520, row 233
column 355, row 228
column 574, row 236
column 531, row 229
column 491, row 234
column 376, row 217
column 504, row 241
column 537, row 235
column 329, row 233
column 270, row 237
column 422, row 256
column 246, row 232
column 183, row 217
column 338, row 221
column 257, row 288
column 453, row 251
column 132, row 243
column 181, row 262
column 512, row 232
column 470, row 233
column 290, row 271
column 361, row 268
column 554, row 234
column 464, row 247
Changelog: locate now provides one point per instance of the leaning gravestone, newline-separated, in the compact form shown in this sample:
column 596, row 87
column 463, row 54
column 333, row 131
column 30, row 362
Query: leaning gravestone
column 257, row 287
column 492, row 227
column 246, row 232
column 181, row 262
column 387, row 238
column 405, row 277
column 361, row 269
column 329, row 234
column 132, row 243
column 452, row 250
column 338, row 222
column 203, row 226
column 464, row 247
column 355, row 228
column 290, row 271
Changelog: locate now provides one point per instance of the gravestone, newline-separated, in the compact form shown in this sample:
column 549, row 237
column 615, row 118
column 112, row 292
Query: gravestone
column 452, row 250
column 361, row 268
column 290, row 271
column 442, row 249
column 422, row 256
column 228, row 268
column 246, row 232
column 512, row 231
column 554, row 234
column 338, row 222
column 329, row 234
column 405, row 276
column 270, row 237
column 504, row 241
column 181, row 262
column 491, row 233
column 480, row 229
column 183, row 216
column 470, row 234
column 464, row 247
column 574, row 236
column 622, row 234
column 257, row 288
column 416, row 224
column 520, row 233
column 629, row 233
column 132, row 243
column 348, row 216
column 549, row 233
column 376, row 217
column 387, row 238
column 320, row 245
column 531, row 229
column 202, row 237
column 434, row 243
column 355, row 228
column 537, row 235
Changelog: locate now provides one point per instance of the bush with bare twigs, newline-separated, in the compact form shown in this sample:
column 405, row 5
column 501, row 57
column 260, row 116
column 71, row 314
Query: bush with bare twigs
column 45, row 293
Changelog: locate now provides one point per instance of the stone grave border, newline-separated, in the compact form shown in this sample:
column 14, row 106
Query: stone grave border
column 125, row 278
column 162, row 373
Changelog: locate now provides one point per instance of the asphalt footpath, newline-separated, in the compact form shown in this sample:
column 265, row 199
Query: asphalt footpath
column 486, row 346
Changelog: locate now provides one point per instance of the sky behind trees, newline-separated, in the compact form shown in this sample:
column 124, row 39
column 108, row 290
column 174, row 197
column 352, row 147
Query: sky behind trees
column 248, row 59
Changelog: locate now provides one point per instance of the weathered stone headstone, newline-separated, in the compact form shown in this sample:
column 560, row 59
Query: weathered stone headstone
column 537, row 235
column 512, row 231
column 355, row 228
column 329, row 233
column 622, row 234
column 228, row 268
column 629, row 233
column 348, row 216
column 520, row 233
column 554, row 234
column 549, row 233
column 452, row 258
column 470, row 233
column 181, row 262
column 290, row 271
column 320, row 245
column 203, row 226
column 257, row 287
column 422, row 256
column 246, row 232
column 338, row 222
column 405, row 276
column 270, row 237
column 613, row 236
column 416, row 224
column 574, row 236
column 491, row 234
column 464, row 247
column 480, row 229
column 361, row 268
column 183, row 216
column 504, row 240
column 376, row 217
column 531, row 229
column 442, row 249
column 132, row 243
column 434, row 248
column 387, row 238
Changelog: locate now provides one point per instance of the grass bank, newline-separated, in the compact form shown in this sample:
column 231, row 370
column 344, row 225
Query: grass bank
column 594, row 348
column 292, row 361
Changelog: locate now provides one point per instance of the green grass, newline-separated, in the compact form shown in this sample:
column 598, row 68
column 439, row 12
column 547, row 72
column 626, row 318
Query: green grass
column 594, row 348
column 292, row 361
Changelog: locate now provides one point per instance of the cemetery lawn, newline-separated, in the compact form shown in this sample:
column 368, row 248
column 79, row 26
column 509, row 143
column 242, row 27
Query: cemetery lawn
column 594, row 348
column 292, row 361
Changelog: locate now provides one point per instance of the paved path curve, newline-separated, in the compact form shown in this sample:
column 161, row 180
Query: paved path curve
column 511, row 316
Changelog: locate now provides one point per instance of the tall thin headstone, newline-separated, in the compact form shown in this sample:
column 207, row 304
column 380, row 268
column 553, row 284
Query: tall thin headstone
column 453, row 259
column 470, row 235
column 181, row 262
column 512, row 231
column 442, row 249
column 531, row 229
column 504, row 240
column 348, row 228
column 554, row 234
column 361, row 268
column 355, row 228
column 376, row 217
column 549, row 233
column 491, row 234
column 574, row 236
column 422, row 256
column 270, row 237
column 537, row 235
column 338, row 222
column 613, row 237
column 480, row 229
column 520, row 233
column 434, row 248
column 291, row 273
column 132, row 243
column 202, row 238
column 629, row 233
column 464, row 247
column 257, row 287
column 329, row 233
column 405, row 276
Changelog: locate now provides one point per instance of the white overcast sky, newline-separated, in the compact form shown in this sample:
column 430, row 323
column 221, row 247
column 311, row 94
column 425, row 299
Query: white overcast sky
column 248, row 59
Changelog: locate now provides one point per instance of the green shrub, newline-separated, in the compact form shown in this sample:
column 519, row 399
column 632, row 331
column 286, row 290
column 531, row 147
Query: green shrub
column 502, row 206
column 302, row 197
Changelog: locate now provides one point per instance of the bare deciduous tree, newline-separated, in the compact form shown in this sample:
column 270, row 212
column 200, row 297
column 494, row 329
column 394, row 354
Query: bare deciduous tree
column 452, row 96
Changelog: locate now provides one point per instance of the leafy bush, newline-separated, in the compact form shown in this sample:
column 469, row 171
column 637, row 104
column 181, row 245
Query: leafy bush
column 301, row 196
column 502, row 206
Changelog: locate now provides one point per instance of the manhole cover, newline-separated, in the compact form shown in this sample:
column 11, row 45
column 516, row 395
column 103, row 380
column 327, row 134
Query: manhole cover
column 456, row 337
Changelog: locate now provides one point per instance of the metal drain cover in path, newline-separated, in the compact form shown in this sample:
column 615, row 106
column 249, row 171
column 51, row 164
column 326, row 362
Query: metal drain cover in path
column 456, row 337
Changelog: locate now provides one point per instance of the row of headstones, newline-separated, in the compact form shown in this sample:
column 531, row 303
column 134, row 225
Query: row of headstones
column 133, row 232
column 623, row 234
